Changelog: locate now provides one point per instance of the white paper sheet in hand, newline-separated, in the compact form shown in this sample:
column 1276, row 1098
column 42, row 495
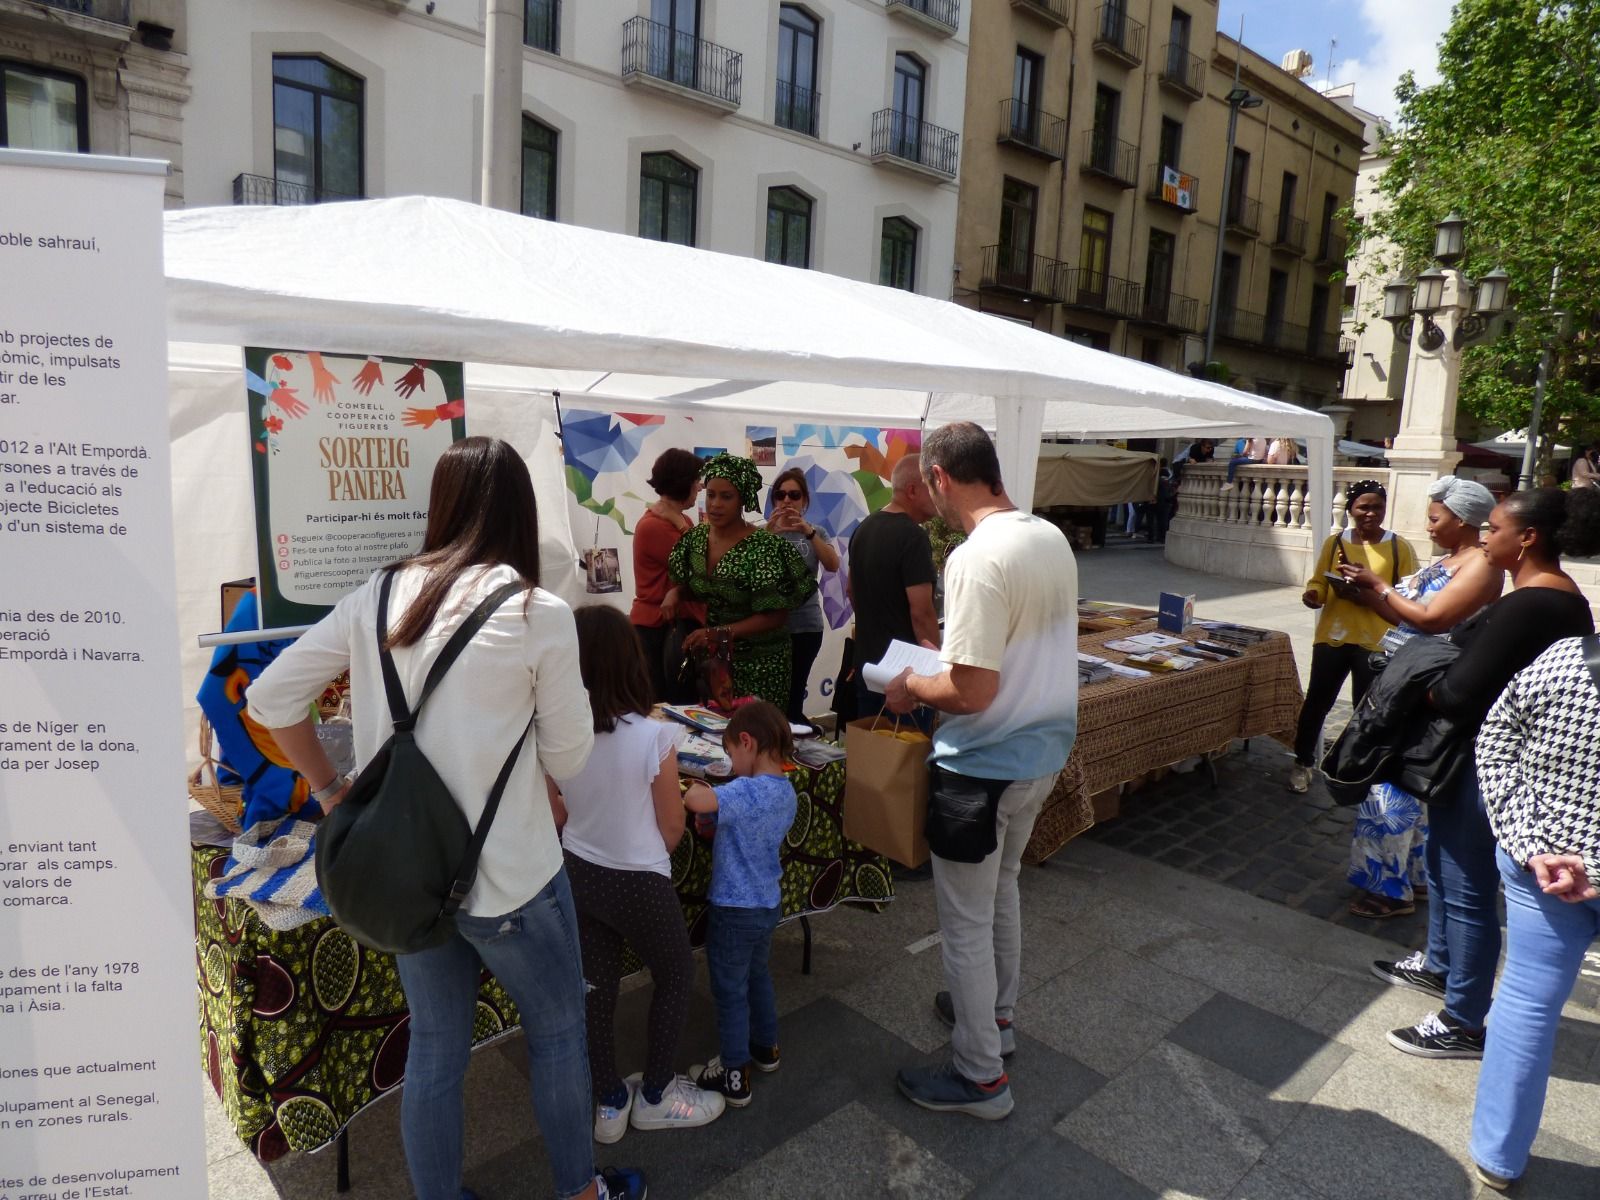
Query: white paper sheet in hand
column 897, row 658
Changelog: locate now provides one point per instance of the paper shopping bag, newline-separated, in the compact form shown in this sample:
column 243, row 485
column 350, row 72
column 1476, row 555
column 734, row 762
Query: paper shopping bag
column 886, row 788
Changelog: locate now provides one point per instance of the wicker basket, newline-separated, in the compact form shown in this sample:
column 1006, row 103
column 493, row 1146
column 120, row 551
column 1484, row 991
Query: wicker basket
column 206, row 789
column 1067, row 812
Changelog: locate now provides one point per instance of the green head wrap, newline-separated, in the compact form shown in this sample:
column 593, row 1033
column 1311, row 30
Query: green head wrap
column 740, row 472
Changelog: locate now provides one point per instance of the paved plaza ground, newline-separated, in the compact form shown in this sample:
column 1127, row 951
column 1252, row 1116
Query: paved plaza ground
column 1198, row 1020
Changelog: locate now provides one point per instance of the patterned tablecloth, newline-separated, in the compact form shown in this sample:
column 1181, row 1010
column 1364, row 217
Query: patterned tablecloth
column 301, row 1030
column 1129, row 727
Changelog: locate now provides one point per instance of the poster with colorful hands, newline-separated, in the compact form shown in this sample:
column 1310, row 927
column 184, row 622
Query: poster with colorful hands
column 342, row 449
column 608, row 458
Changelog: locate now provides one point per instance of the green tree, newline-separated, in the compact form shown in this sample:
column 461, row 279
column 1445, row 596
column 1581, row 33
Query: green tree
column 1510, row 139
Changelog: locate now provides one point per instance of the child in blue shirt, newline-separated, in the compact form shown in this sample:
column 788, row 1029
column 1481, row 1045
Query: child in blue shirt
column 753, row 814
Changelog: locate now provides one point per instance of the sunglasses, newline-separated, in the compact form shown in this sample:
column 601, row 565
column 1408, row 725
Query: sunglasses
column 787, row 495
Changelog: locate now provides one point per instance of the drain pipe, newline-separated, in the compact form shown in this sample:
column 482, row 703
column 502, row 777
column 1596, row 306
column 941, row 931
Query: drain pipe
column 502, row 105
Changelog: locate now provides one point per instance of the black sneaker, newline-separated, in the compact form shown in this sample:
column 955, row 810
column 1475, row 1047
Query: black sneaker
column 764, row 1058
column 732, row 1083
column 621, row 1183
column 1411, row 972
column 946, row 1009
column 944, row 1089
column 1438, row 1035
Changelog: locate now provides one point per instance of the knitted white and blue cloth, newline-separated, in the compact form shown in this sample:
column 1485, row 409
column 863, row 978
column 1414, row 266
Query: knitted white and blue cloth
column 273, row 869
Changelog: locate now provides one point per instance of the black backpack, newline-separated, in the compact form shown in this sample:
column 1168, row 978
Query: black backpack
column 397, row 857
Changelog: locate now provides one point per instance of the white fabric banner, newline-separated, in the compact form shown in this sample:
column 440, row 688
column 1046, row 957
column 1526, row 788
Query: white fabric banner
column 99, row 1091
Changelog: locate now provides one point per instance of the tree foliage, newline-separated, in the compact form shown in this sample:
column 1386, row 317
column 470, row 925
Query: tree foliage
column 1510, row 139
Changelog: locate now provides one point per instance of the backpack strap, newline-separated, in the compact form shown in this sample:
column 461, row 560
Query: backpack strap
column 467, row 872
column 1591, row 658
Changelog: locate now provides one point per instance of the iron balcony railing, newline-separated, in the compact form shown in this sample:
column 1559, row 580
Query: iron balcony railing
column 259, row 189
column 1165, row 307
column 1183, row 72
column 661, row 52
column 1289, row 233
column 797, row 108
column 1007, row 268
column 1111, row 159
column 1330, row 248
column 946, row 13
column 542, row 25
column 1054, row 11
column 1176, row 189
column 896, row 135
column 1327, row 345
column 1117, row 34
column 1031, row 128
column 1272, row 332
column 1080, row 287
column 114, row 11
column 1244, row 215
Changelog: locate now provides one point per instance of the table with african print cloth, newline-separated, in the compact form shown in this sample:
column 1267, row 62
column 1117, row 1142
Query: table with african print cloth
column 301, row 1030
column 1130, row 727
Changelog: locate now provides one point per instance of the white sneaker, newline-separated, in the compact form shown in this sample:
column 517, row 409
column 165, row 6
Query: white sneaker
column 1299, row 778
column 1226, row 487
column 683, row 1106
column 611, row 1123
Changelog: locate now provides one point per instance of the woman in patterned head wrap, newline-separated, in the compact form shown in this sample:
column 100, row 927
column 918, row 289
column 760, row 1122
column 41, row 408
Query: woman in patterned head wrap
column 747, row 577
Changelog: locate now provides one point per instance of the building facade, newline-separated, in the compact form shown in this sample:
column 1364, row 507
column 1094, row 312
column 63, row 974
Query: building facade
column 96, row 76
column 1091, row 188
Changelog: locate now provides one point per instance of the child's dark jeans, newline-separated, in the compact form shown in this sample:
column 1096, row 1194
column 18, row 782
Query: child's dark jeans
column 738, row 944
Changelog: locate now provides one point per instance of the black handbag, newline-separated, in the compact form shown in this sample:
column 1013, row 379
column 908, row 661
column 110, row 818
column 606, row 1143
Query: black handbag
column 962, row 811
column 396, row 859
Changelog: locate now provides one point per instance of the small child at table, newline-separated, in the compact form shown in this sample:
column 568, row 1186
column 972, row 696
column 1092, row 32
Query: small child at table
column 753, row 814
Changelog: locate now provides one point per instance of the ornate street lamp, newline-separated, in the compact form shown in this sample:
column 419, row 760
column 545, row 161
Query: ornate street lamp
column 1429, row 297
column 1493, row 290
column 1449, row 240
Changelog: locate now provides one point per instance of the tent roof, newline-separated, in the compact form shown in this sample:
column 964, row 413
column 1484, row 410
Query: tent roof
column 635, row 323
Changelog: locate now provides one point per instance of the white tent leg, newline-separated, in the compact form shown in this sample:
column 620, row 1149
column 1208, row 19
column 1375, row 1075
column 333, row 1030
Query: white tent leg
column 1019, row 428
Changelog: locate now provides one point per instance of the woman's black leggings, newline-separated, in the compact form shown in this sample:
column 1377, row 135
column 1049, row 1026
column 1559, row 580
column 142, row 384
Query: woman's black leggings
column 616, row 910
column 803, row 649
column 1330, row 667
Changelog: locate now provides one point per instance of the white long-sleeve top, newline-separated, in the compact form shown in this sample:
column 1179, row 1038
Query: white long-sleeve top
column 524, row 659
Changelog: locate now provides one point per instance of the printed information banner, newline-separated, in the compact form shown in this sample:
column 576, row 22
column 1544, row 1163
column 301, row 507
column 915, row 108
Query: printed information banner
column 98, row 1051
column 343, row 449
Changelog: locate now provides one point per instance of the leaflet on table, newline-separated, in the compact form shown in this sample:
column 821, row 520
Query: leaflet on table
column 702, row 757
column 711, row 724
column 817, row 753
column 897, row 658
column 1140, row 643
column 1164, row 660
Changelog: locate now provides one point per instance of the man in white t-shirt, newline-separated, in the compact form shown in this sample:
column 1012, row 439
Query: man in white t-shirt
column 1009, row 695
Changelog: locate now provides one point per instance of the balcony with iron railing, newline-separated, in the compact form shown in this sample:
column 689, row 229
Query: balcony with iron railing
column 902, row 141
column 1272, row 332
column 541, row 26
column 1244, row 215
column 1289, row 234
column 797, row 108
column 1117, row 35
column 1009, row 269
column 941, row 16
column 1331, row 249
column 1172, row 187
column 113, row 12
column 1053, row 12
column 1182, row 72
column 1110, row 159
column 260, row 189
column 1166, row 309
column 1032, row 129
column 1097, row 291
column 660, row 57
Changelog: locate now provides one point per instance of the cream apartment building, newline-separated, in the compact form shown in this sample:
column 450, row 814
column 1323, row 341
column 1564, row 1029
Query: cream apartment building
column 1091, row 183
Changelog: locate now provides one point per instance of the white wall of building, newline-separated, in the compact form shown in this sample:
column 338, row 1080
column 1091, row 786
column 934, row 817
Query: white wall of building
column 423, row 78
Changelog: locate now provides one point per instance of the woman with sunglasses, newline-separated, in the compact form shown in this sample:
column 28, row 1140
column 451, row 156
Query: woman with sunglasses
column 790, row 498
column 1347, row 631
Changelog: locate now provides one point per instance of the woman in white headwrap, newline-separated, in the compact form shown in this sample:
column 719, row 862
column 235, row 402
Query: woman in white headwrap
column 1386, row 847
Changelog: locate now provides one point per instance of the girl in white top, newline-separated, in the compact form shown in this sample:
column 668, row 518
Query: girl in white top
column 621, row 818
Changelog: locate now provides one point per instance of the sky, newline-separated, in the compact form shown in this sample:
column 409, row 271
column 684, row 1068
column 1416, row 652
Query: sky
column 1377, row 40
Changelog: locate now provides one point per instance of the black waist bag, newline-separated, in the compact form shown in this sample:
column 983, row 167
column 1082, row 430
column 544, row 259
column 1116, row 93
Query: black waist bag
column 397, row 857
column 961, row 815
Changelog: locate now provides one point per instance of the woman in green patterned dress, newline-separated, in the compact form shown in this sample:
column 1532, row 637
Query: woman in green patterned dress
column 747, row 577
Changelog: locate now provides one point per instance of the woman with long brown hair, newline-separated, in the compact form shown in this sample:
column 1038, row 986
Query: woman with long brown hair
column 788, row 501
column 519, row 673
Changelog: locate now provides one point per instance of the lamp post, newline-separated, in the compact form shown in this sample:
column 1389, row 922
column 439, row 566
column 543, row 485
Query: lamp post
column 1238, row 98
column 1437, row 315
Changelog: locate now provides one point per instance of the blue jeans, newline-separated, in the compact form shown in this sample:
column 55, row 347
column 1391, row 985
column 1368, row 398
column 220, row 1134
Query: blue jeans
column 533, row 953
column 1546, row 942
column 1237, row 461
column 738, row 944
column 1463, row 926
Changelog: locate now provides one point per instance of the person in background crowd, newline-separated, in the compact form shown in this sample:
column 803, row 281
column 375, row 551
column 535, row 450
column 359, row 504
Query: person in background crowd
column 748, row 578
column 675, row 478
column 518, row 920
column 620, row 819
column 1282, row 452
column 1386, row 846
column 891, row 577
column 1202, row 451
column 1009, row 689
column 1251, row 451
column 1538, row 759
column 1528, row 533
column 791, row 497
column 1586, row 467
column 1347, row 631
